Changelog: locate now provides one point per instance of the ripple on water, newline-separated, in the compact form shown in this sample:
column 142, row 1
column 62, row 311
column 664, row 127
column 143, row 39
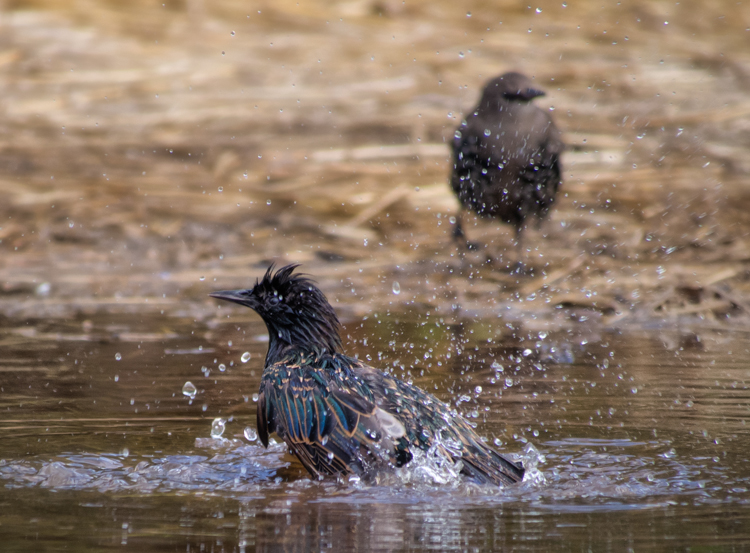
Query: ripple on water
column 231, row 466
column 569, row 475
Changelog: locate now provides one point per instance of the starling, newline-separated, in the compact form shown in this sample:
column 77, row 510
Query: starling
column 338, row 415
column 506, row 156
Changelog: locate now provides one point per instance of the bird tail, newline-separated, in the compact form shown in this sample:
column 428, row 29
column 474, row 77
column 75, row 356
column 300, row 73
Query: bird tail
column 489, row 467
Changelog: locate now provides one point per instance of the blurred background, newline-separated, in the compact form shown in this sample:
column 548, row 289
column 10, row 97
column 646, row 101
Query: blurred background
column 154, row 151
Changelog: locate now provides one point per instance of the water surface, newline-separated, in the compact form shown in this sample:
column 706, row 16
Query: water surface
column 633, row 440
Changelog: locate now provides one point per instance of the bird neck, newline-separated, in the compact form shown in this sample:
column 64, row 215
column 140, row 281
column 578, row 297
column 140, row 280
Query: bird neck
column 313, row 338
column 492, row 104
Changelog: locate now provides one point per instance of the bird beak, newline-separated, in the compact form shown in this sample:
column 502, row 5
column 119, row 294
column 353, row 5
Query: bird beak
column 235, row 296
column 531, row 93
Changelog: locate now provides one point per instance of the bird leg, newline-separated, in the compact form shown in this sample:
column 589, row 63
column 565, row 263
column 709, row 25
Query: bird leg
column 460, row 236
column 519, row 268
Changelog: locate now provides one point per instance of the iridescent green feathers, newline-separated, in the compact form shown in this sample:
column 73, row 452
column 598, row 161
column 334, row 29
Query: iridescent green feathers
column 338, row 415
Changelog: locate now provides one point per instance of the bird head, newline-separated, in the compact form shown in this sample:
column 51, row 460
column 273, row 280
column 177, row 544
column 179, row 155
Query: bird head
column 295, row 311
column 510, row 86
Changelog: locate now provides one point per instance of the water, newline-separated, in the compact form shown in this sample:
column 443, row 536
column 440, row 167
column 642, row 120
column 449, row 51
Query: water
column 632, row 440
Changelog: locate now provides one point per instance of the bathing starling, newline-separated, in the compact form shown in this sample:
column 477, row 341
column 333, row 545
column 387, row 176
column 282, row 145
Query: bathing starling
column 506, row 156
column 335, row 413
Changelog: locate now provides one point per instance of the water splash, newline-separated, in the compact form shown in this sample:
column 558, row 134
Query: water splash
column 232, row 466
column 531, row 460
column 217, row 427
column 189, row 390
column 250, row 434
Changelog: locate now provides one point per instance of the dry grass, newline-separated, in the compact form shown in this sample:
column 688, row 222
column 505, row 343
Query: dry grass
column 154, row 152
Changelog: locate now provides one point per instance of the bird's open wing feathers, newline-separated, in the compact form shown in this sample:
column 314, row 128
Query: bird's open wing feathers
column 330, row 430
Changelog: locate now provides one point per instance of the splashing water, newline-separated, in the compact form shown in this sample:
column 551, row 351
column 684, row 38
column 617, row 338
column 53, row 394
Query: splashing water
column 189, row 390
column 250, row 434
column 236, row 467
column 531, row 460
column 217, row 427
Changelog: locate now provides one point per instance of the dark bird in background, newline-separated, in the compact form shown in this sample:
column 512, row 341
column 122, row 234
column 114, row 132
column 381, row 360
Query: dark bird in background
column 506, row 156
column 337, row 414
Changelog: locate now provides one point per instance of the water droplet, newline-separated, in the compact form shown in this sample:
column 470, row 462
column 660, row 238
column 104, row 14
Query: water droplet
column 669, row 454
column 189, row 390
column 245, row 357
column 222, row 367
column 255, row 397
column 217, row 427
column 396, row 288
column 221, row 189
column 468, row 14
column 118, row 356
column 509, row 382
column 202, row 278
column 330, row 455
column 457, row 134
column 250, row 434
column 498, row 442
column 487, row 132
column 478, row 390
column 232, row 33
column 324, row 441
column 117, row 378
column 460, row 54
column 268, row 202
column 539, row 10
column 43, row 289
column 71, row 224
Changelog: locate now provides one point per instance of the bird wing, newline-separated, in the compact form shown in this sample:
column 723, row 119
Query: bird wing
column 330, row 430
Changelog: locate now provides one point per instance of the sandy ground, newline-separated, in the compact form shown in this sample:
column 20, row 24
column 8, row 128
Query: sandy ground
column 153, row 153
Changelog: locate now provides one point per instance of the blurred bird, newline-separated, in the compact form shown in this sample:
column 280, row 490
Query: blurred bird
column 339, row 415
column 506, row 156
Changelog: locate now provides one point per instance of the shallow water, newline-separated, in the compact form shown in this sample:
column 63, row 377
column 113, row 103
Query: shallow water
column 633, row 441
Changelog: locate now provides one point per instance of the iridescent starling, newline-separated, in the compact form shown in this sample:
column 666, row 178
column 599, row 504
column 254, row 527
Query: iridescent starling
column 506, row 156
column 339, row 415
